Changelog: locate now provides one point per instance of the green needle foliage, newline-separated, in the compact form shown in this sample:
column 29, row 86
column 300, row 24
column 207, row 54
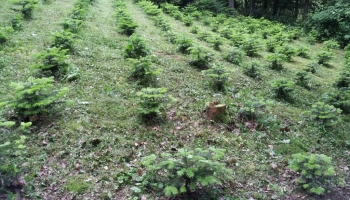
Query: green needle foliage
column 340, row 99
column 331, row 44
column 53, row 61
column 252, row 108
column 36, row 96
column 127, row 25
column 183, row 44
column 219, row 76
column 282, row 88
column 252, row 69
column 287, row 51
column 215, row 41
column 272, row 44
column 188, row 20
column 136, row 47
column 277, row 60
column 251, row 46
column 26, row 7
column 201, row 57
column 302, row 51
column 302, row 78
column 312, row 67
column 16, row 22
column 324, row 56
column 4, row 34
column 317, row 172
column 187, row 171
column 10, row 148
column 143, row 70
column 234, row 56
column 64, row 40
column 72, row 25
column 153, row 100
column 328, row 115
column 344, row 79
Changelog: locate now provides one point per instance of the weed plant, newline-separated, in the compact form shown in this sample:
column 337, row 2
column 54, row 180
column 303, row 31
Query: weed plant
column 171, row 36
column 11, row 148
column 72, row 25
column 216, row 42
column 203, row 35
column 194, row 29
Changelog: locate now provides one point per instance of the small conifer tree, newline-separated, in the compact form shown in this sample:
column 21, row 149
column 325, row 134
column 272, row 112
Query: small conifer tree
column 187, row 170
column 36, row 96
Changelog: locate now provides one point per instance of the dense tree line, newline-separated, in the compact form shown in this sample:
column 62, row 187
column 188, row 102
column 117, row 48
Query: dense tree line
column 330, row 19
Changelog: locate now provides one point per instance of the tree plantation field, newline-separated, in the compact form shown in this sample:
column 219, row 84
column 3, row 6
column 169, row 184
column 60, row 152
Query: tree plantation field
column 121, row 99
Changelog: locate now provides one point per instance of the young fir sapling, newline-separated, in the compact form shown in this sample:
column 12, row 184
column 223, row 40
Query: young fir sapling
column 201, row 57
column 153, row 101
column 187, row 171
column 34, row 97
column 136, row 47
column 219, row 76
column 317, row 172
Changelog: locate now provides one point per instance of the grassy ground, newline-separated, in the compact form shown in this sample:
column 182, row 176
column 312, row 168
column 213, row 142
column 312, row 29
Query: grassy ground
column 91, row 149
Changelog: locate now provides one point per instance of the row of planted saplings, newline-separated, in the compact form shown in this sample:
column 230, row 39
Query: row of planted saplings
column 37, row 96
column 152, row 99
column 193, row 177
column 125, row 22
column 25, row 8
column 52, row 63
column 54, row 59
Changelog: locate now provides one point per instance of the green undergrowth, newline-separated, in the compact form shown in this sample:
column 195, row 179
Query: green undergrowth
column 94, row 146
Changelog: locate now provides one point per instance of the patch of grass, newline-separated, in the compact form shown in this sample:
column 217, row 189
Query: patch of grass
column 76, row 186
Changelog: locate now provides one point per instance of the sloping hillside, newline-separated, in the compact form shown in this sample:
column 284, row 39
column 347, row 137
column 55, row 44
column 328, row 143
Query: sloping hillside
column 91, row 143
